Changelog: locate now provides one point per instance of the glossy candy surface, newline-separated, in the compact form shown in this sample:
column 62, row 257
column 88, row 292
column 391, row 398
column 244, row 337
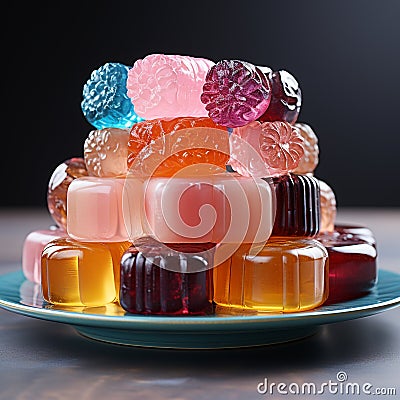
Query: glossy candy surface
column 216, row 208
column 158, row 280
column 106, row 152
column 298, row 205
column 287, row 275
column 58, row 185
column 105, row 209
column 265, row 149
column 34, row 244
column 168, row 86
column 81, row 274
column 352, row 264
column 235, row 93
column 105, row 102
column 328, row 207
column 359, row 231
column 165, row 146
column 310, row 159
column 285, row 98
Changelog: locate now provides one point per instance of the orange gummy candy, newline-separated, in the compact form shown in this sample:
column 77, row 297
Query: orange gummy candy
column 162, row 147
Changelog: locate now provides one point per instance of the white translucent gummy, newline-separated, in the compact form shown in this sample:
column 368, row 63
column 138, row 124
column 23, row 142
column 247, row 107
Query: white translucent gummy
column 94, row 209
column 225, row 207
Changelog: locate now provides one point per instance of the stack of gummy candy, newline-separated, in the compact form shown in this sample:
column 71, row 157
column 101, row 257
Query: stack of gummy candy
column 196, row 195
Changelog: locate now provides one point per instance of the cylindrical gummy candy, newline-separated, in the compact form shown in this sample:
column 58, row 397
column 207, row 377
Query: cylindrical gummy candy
column 224, row 207
column 352, row 264
column 167, row 280
column 106, row 152
column 287, row 275
column 328, row 207
column 58, row 185
column 235, row 93
column 168, row 86
column 105, row 101
column 34, row 244
column 265, row 149
column 81, row 274
column 285, row 98
column 30, row 294
column 297, row 205
column 359, row 231
column 162, row 147
column 310, row 159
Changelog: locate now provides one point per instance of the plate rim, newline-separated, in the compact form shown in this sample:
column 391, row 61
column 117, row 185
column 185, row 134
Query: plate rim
column 211, row 322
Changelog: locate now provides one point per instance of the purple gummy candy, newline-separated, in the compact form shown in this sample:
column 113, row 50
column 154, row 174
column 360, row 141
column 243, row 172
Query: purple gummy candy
column 285, row 99
column 235, row 93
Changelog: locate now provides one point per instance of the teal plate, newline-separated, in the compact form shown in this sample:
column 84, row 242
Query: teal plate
column 110, row 324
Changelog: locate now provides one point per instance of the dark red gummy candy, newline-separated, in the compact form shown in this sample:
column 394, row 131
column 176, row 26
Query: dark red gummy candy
column 285, row 99
column 352, row 264
column 298, row 205
column 146, row 288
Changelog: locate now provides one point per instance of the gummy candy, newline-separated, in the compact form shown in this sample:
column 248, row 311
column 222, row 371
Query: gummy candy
column 285, row 98
column 58, row 185
column 30, row 293
column 361, row 232
column 298, row 205
column 287, row 275
column 328, row 207
column 81, row 274
column 214, row 208
column 172, row 144
column 310, row 159
column 34, row 244
column 281, row 146
column 106, row 152
column 235, row 93
column 278, row 149
column 245, row 155
column 104, row 209
column 167, row 86
column 155, row 279
column 352, row 265
column 105, row 102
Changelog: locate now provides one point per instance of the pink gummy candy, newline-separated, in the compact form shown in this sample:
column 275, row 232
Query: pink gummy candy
column 235, row 93
column 281, row 145
column 328, row 207
column 245, row 155
column 278, row 149
column 168, row 86
column 310, row 160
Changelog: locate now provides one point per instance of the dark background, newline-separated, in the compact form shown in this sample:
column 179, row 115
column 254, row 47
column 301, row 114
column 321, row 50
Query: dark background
column 345, row 54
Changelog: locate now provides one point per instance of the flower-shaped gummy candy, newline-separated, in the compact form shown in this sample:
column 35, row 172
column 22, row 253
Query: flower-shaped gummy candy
column 278, row 149
column 162, row 147
column 310, row 160
column 235, row 93
column 58, row 185
column 167, row 86
column 106, row 152
column 105, row 102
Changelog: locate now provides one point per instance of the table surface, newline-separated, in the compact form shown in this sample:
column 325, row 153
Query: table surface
column 48, row 360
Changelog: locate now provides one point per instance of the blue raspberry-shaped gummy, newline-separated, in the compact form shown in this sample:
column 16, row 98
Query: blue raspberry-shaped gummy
column 105, row 102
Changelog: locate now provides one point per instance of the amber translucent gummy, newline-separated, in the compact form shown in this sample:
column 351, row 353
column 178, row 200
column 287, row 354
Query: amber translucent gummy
column 286, row 275
column 81, row 274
